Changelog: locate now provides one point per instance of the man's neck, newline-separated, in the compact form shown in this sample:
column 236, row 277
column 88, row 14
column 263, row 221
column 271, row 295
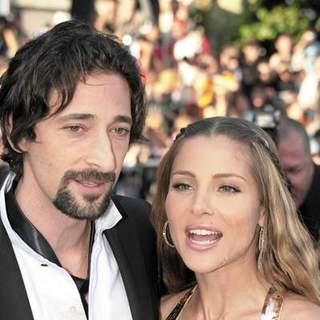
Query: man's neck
column 75, row 257
column 68, row 237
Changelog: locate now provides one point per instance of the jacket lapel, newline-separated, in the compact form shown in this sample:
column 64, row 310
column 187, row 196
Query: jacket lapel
column 14, row 304
column 127, row 250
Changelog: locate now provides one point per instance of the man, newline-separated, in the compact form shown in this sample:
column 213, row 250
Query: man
column 72, row 101
column 303, row 174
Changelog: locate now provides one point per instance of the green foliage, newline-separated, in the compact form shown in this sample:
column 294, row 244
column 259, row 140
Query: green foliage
column 281, row 19
column 222, row 27
column 256, row 22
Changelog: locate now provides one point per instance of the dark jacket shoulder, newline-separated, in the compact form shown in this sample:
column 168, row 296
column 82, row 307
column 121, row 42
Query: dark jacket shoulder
column 137, row 210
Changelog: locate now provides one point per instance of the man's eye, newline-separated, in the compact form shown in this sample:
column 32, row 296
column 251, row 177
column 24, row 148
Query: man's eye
column 228, row 189
column 120, row 131
column 74, row 129
column 181, row 186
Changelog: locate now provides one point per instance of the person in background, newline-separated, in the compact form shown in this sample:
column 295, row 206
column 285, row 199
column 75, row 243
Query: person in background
column 303, row 174
column 229, row 239
column 8, row 40
column 251, row 56
column 72, row 102
column 284, row 51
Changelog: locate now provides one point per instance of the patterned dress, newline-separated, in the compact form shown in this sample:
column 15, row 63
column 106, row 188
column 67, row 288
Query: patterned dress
column 270, row 311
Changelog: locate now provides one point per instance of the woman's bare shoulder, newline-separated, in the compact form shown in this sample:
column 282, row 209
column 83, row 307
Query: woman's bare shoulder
column 296, row 307
column 168, row 302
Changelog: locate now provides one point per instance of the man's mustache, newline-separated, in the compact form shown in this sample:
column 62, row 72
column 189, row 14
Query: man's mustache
column 89, row 175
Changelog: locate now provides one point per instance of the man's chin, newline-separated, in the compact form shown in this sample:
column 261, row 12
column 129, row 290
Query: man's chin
column 87, row 208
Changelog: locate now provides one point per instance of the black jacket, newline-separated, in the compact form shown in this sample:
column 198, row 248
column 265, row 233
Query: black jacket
column 310, row 208
column 133, row 243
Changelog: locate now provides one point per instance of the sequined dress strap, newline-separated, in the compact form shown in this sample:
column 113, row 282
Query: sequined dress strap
column 174, row 314
column 272, row 305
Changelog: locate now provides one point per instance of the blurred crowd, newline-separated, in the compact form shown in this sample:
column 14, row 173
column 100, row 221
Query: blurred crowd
column 187, row 78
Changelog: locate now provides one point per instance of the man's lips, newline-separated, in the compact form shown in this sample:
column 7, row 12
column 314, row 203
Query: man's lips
column 90, row 183
column 96, row 187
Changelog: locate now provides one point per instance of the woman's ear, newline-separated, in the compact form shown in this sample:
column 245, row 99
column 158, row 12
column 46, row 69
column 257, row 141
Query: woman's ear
column 262, row 216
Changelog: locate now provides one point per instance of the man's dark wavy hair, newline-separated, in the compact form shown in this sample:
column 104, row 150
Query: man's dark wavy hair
column 57, row 61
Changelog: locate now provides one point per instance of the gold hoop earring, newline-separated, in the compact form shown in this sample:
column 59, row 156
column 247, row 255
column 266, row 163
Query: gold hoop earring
column 166, row 235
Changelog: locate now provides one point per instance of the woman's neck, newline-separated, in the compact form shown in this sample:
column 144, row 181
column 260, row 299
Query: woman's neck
column 232, row 292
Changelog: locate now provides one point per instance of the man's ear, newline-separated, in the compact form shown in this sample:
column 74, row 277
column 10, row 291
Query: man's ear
column 21, row 146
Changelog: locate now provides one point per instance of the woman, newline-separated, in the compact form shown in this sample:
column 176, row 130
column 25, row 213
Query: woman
column 229, row 238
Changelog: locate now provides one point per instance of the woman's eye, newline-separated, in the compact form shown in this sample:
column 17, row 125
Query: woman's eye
column 229, row 189
column 181, row 186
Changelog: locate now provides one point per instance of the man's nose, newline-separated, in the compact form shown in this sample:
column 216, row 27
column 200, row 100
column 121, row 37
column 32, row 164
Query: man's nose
column 101, row 154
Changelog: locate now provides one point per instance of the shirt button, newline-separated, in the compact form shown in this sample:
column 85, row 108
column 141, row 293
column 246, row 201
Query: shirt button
column 75, row 313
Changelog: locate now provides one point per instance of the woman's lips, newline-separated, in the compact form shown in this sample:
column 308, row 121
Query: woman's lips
column 202, row 238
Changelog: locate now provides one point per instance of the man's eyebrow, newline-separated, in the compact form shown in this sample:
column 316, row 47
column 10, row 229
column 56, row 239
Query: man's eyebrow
column 123, row 118
column 77, row 116
column 85, row 116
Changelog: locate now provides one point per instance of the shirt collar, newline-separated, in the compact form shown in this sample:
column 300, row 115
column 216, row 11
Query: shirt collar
column 26, row 230
column 109, row 219
column 32, row 237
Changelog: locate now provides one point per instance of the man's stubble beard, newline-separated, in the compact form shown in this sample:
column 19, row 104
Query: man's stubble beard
column 92, row 209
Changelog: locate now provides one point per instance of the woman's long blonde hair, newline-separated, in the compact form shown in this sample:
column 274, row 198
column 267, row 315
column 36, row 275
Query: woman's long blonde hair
column 288, row 258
